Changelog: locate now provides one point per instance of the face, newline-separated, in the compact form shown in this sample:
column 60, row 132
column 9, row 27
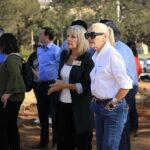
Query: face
column 96, row 38
column 72, row 41
column 42, row 37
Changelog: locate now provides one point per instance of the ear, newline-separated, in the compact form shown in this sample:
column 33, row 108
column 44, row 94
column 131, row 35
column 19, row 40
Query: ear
column 106, row 36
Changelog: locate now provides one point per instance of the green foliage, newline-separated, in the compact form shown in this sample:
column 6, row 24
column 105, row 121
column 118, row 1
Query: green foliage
column 25, row 52
column 21, row 17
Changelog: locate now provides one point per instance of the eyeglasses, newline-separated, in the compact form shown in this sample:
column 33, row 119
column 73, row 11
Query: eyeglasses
column 92, row 35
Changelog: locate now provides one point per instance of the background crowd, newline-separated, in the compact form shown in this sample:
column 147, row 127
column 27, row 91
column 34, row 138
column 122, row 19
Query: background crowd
column 89, row 82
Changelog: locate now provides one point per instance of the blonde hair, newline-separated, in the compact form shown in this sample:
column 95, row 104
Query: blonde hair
column 83, row 44
column 105, row 29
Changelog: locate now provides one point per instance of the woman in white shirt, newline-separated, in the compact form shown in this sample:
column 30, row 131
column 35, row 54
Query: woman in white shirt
column 109, row 85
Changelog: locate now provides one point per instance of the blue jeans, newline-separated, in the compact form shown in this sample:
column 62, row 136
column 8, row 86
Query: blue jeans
column 132, row 121
column 109, row 125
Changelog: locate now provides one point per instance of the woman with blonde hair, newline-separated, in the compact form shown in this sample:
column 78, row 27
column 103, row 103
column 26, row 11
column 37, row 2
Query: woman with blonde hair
column 109, row 85
column 74, row 117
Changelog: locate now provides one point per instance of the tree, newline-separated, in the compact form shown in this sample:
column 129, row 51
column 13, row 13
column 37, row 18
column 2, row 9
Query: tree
column 22, row 17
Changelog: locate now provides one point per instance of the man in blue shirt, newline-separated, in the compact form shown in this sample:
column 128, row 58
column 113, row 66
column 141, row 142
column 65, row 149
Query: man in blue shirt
column 48, row 73
column 128, row 57
column 2, row 56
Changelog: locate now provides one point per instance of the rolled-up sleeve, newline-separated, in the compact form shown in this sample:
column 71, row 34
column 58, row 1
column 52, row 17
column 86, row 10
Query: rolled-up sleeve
column 119, row 72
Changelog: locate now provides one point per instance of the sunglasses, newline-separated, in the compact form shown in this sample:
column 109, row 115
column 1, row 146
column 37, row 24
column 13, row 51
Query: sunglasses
column 92, row 35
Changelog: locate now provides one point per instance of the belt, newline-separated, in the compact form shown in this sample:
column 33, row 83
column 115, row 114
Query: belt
column 47, row 82
column 103, row 102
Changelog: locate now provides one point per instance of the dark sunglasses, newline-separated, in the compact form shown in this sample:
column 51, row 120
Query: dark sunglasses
column 92, row 35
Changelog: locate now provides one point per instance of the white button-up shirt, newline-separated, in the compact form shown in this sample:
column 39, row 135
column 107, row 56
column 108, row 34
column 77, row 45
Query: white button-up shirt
column 109, row 73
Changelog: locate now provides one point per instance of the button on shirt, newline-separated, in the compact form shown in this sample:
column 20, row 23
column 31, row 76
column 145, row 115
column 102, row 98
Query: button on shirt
column 128, row 57
column 48, row 62
column 109, row 73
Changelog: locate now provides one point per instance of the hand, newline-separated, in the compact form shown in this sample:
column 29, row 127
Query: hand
column 57, row 86
column 4, row 99
column 110, row 106
column 115, row 101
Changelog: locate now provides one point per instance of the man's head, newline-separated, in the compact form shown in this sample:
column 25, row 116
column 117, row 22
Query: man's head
column 80, row 23
column 46, row 35
column 111, row 24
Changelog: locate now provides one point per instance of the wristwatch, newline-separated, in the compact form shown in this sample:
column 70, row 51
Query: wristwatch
column 114, row 100
column 110, row 106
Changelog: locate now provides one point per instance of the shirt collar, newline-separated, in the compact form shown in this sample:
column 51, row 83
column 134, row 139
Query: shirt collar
column 48, row 46
column 97, row 55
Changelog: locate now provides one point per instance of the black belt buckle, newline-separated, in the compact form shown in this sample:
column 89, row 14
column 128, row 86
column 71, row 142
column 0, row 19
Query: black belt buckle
column 103, row 102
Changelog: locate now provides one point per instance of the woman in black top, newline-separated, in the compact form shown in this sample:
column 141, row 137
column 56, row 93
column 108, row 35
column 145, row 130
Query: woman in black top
column 74, row 118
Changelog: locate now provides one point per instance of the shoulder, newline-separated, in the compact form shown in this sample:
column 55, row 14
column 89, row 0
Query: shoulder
column 13, row 59
column 114, row 54
column 64, row 54
column 122, row 47
column 85, row 55
column 32, row 57
column 87, row 59
column 39, row 50
column 34, row 54
column 55, row 46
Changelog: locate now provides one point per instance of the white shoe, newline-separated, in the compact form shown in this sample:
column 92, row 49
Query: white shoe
column 50, row 120
column 37, row 121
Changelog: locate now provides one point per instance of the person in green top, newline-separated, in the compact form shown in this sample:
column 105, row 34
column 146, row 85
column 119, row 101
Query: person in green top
column 12, row 93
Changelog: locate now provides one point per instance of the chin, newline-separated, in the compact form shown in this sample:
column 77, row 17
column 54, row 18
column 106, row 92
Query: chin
column 92, row 45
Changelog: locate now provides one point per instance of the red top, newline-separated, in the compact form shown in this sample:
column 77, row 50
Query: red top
column 138, row 66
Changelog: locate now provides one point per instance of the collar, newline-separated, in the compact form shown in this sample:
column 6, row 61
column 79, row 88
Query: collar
column 48, row 46
column 98, row 55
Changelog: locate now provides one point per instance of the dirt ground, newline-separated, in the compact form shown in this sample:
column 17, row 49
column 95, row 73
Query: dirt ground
column 29, row 131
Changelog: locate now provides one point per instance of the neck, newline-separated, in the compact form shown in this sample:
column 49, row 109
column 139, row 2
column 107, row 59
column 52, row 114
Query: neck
column 46, row 42
column 74, row 52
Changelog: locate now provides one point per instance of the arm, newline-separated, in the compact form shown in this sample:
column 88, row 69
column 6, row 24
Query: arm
column 35, row 72
column 86, row 81
column 13, row 69
column 5, row 98
column 120, row 75
column 80, row 87
column 59, row 85
column 120, row 95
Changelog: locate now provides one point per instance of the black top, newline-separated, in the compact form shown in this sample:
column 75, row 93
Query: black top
column 33, row 61
column 83, row 116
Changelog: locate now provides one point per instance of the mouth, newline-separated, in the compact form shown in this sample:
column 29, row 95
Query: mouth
column 69, row 43
column 91, row 43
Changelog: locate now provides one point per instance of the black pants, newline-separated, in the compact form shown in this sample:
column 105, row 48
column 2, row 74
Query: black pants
column 35, row 88
column 46, row 105
column 125, row 139
column 9, row 134
column 66, row 137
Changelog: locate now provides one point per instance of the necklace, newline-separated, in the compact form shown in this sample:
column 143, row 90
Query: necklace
column 73, row 57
